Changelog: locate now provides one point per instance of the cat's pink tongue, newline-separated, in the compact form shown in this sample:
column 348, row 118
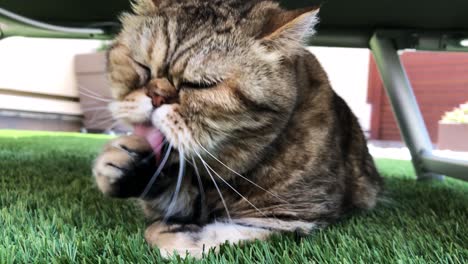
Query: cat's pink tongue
column 154, row 137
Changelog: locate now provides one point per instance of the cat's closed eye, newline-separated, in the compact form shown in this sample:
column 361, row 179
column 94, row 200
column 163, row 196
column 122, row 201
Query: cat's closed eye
column 197, row 85
column 144, row 72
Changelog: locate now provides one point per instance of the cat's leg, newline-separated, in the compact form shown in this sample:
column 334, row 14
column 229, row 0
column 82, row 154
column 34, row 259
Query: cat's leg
column 194, row 240
column 297, row 226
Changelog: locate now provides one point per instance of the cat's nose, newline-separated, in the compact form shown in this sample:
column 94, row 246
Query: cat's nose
column 161, row 91
column 156, row 99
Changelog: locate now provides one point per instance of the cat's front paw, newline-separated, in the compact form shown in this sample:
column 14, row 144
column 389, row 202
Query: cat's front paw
column 124, row 167
column 173, row 240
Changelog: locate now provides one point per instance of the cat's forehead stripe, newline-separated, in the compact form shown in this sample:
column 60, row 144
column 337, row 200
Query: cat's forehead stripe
column 157, row 52
column 183, row 53
column 162, row 45
column 167, row 41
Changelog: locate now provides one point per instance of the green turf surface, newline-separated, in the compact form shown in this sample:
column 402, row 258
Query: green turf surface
column 51, row 212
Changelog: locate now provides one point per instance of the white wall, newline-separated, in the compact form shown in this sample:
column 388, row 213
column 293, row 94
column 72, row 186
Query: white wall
column 348, row 71
column 41, row 66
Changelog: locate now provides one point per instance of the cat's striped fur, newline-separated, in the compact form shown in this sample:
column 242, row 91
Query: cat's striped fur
column 251, row 110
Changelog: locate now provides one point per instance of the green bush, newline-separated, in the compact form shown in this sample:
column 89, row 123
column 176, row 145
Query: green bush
column 459, row 115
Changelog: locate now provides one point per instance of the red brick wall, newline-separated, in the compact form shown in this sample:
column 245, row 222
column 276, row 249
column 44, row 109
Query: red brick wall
column 440, row 82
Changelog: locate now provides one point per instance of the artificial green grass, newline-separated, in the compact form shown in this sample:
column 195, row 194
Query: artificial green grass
column 51, row 212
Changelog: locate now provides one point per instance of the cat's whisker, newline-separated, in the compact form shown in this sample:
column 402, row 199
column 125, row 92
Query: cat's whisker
column 216, row 186
column 92, row 92
column 99, row 120
column 180, row 177
column 157, row 173
column 111, row 117
column 91, row 109
column 243, row 177
column 234, row 189
column 109, row 128
column 152, row 154
column 100, row 115
column 96, row 97
column 82, row 87
column 120, row 116
column 108, row 119
column 200, row 182
column 93, row 103
column 103, row 122
column 117, row 122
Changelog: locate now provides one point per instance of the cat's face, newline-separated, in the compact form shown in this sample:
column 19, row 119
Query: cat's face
column 207, row 73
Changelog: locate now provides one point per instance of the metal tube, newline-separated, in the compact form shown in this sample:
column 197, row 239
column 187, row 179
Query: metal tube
column 453, row 168
column 12, row 24
column 403, row 101
column 340, row 38
column 49, row 27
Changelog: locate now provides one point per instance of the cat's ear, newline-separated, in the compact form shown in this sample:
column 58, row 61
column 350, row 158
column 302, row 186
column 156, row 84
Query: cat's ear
column 289, row 28
column 144, row 7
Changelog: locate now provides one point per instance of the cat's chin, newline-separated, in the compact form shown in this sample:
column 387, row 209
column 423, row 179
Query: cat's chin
column 154, row 137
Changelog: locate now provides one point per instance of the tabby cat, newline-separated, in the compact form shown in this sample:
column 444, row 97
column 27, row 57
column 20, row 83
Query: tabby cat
column 238, row 134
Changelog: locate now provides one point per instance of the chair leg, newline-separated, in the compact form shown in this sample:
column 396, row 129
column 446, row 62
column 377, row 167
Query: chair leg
column 404, row 104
